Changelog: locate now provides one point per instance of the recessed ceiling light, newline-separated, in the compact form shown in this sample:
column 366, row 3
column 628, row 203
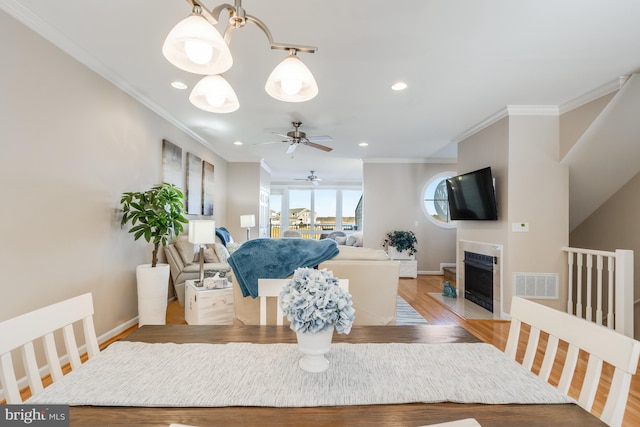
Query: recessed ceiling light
column 179, row 85
column 399, row 86
column 238, row 143
column 364, row 144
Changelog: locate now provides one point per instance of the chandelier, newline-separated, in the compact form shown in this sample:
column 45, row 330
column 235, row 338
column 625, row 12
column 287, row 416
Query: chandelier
column 196, row 46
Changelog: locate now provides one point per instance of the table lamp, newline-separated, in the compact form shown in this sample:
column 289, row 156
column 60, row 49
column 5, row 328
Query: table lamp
column 202, row 232
column 247, row 221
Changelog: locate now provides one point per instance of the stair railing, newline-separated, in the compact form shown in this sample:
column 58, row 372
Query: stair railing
column 613, row 291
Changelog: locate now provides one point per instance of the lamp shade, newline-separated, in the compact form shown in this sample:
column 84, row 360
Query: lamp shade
column 214, row 94
column 291, row 81
column 202, row 232
column 194, row 45
column 247, row 221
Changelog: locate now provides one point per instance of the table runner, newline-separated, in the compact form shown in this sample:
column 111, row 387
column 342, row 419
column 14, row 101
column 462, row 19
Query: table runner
column 244, row 374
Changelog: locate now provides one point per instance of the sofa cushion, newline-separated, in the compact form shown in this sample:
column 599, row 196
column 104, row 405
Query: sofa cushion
column 354, row 240
column 357, row 253
column 221, row 252
column 186, row 249
column 209, row 255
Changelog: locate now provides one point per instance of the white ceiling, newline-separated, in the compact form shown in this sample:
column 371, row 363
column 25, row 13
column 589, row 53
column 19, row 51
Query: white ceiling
column 464, row 60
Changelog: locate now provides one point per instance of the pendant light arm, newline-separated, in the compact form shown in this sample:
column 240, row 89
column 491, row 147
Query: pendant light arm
column 238, row 19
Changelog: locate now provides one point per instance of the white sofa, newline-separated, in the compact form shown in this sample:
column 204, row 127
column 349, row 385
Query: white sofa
column 373, row 284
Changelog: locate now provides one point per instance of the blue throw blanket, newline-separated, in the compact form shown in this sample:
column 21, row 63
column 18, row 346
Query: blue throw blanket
column 276, row 259
column 224, row 235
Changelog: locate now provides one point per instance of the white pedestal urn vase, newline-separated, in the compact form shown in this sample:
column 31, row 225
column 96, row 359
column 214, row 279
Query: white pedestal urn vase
column 314, row 346
column 316, row 303
column 153, row 288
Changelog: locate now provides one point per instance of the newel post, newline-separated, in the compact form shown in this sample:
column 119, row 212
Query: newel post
column 624, row 292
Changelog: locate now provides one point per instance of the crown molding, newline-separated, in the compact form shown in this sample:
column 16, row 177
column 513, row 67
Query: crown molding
column 532, row 110
column 543, row 110
column 22, row 14
column 408, row 160
column 594, row 94
column 495, row 117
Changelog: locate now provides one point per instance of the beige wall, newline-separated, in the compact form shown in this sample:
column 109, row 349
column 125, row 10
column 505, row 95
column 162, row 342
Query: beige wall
column 243, row 191
column 539, row 196
column 575, row 122
column 71, row 144
column 531, row 186
column 392, row 195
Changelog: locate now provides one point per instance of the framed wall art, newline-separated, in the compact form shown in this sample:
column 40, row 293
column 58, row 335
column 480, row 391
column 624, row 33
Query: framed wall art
column 172, row 164
column 207, row 188
column 194, row 184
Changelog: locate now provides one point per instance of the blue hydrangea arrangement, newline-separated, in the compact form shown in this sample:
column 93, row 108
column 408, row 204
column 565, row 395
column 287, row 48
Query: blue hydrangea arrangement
column 313, row 300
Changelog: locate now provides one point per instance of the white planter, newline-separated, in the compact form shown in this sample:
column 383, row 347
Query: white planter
column 395, row 254
column 153, row 287
column 314, row 347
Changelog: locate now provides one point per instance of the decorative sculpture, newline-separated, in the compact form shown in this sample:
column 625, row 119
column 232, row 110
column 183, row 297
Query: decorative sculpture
column 449, row 290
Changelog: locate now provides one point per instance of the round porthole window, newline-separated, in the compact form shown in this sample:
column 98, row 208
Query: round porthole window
column 435, row 202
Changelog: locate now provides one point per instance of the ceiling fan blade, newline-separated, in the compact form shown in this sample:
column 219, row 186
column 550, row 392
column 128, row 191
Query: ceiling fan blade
column 318, row 146
column 292, row 147
column 280, row 134
column 320, row 138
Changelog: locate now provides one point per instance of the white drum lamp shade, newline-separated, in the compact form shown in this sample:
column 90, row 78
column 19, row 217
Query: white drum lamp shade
column 202, row 232
column 248, row 222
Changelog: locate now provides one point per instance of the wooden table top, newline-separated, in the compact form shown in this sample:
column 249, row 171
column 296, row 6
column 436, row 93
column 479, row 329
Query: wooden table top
column 415, row 414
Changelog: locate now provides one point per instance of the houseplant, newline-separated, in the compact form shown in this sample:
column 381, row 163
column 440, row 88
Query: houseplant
column 157, row 215
column 401, row 242
column 315, row 304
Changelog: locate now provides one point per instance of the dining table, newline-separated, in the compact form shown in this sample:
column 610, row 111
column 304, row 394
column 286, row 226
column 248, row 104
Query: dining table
column 409, row 414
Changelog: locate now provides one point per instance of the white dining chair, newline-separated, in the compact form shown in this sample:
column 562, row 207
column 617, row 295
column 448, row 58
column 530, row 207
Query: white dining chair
column 23, row 331
column 600, row 343
column 270, row 288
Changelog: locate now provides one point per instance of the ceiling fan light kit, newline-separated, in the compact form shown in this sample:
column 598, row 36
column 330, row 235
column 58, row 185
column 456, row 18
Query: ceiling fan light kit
column 196, row 46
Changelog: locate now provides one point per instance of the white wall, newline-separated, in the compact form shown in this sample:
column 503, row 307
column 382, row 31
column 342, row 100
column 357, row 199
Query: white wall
column 392, row 195
column 71, row 144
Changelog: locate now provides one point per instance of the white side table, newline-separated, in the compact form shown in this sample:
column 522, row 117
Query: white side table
column 408, row 263
column 208, row 306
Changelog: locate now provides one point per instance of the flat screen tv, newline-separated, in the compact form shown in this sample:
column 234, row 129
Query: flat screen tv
column 472, row 196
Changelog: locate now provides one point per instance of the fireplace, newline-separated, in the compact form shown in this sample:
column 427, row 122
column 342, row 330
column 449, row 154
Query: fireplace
column 478, row 279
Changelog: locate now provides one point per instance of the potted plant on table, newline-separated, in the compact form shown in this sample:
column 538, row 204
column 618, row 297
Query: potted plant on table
column 157, row 215
column 401, row 244
column 316, row 304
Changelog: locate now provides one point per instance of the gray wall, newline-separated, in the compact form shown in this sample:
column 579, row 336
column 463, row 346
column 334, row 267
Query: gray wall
column 393, row 201
column 71, row 144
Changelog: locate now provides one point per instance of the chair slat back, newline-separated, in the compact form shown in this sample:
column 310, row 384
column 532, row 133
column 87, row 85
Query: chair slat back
column 269, row 288
column 22, row 331
column 599, row 342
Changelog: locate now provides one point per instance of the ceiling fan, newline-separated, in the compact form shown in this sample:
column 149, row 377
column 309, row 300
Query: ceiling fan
column 297, row 137
column 313, row 178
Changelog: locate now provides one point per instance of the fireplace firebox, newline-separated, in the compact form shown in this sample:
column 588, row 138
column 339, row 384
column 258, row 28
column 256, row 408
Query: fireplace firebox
column 478, row 279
